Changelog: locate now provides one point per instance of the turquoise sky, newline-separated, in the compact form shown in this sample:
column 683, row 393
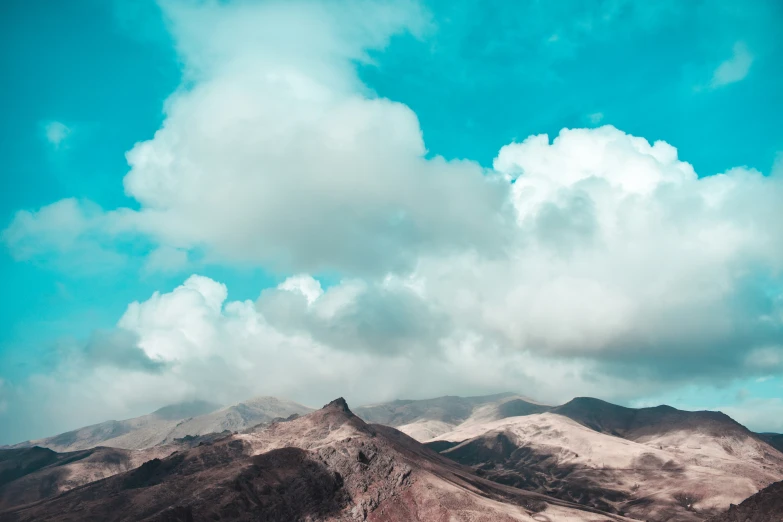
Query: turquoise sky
column 86, row 80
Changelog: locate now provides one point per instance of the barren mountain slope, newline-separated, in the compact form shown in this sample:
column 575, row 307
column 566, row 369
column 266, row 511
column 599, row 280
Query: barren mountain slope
column 328, row 465
column 686, row 473
column 171, row 422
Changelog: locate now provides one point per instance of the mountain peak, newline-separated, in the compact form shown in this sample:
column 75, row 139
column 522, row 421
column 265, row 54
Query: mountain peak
column 184, row 410
column 338, row 404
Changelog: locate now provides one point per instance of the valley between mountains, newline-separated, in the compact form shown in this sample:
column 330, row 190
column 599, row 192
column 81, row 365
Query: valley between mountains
column 500, row 457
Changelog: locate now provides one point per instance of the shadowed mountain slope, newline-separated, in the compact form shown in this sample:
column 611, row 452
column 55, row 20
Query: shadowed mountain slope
column 635, row 423
column 773, row 439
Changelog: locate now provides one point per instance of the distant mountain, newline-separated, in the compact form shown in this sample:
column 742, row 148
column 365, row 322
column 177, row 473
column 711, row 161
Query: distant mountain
column 238, row 417
column 185, row 410
column 328, row 464
column 773, row 439
column 637, row 423
column 764, row 506
column 428, row 418
column 171, row 422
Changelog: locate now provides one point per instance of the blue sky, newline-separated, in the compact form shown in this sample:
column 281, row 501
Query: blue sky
column 86, row 81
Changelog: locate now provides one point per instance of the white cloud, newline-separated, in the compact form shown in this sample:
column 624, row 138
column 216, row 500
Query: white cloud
column 56, row 133
column 296, row 163
column 309, row 287
column 178, row 325
column 734, row 69
column 70, row 234
column 623, row 252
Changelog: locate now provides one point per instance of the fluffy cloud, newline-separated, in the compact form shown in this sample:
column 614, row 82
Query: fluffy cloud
column 625, row 256
column 278, row 154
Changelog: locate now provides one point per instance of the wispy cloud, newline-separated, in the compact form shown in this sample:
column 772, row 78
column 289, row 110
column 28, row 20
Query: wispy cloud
column 56, row 133
column 735, row 68
column 166, row 259
column 595, row 118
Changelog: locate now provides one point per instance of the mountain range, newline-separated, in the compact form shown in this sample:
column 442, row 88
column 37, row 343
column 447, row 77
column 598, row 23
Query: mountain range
column 499, row 457
column 171, row 422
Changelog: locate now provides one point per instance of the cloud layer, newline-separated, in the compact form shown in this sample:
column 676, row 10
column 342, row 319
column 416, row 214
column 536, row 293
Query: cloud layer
column 592, row 263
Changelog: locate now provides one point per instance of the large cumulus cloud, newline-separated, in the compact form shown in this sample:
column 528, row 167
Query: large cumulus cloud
column 624, row 255
column 277, row 154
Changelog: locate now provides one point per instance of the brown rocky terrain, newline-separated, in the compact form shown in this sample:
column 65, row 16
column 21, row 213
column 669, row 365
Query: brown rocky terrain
column 327, row 465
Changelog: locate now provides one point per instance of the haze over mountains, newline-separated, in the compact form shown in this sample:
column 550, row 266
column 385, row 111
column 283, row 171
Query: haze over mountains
column 499, row 457
column 172, row 422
